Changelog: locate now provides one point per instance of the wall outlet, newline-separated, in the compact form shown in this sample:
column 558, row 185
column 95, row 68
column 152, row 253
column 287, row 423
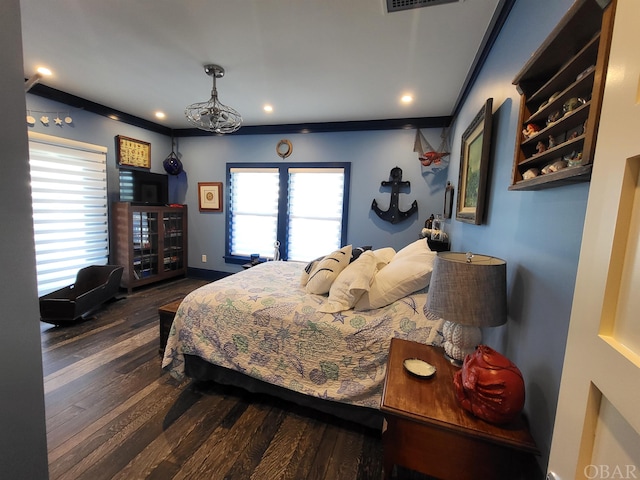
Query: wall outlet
column 204, row 259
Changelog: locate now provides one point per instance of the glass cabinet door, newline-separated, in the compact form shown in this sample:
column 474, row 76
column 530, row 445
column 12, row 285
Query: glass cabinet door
column 173, row 241
column 145, row 244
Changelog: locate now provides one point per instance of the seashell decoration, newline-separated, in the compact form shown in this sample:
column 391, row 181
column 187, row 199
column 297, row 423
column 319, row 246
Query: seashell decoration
column 45, row 118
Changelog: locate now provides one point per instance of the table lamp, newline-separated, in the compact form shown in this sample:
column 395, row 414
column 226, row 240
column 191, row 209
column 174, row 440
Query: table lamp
column 468, row 291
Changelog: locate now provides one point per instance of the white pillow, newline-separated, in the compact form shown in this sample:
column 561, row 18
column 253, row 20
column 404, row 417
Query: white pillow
column 327, row 270
column 304, row 278
column 417, row 247
column 383, row 256
column 351, row 283
column 405, row 274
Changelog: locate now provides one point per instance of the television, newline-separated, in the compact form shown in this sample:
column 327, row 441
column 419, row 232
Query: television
column 144, row 188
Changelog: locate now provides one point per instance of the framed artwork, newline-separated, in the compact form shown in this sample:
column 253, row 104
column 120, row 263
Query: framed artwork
column 474, row 165
column 210, row 196
column 133, row 153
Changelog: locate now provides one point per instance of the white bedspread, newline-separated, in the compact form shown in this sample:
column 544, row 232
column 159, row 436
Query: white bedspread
column 262, row 323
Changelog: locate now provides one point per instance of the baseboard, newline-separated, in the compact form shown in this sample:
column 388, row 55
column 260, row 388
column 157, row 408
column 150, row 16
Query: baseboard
column 212, row 275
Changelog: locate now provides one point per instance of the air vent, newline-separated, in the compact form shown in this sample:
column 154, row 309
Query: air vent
column 399, row 5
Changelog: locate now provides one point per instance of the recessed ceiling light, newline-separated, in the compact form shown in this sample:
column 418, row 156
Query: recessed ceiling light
column 43, row 71
column 160, row 115
column 406, row 98
column 268, row 108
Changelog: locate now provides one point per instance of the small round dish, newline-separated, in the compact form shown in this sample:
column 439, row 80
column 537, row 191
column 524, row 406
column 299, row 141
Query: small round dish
column 419, row 368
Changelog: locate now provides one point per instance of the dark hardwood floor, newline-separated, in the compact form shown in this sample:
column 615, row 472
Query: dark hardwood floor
column 112, row 413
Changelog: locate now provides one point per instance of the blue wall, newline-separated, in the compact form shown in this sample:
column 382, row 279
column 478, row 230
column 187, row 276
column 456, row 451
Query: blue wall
column 98, row 130
column 372, row 156
column 537, row 233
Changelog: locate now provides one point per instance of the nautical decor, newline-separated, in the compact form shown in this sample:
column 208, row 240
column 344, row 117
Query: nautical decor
column 426, row 153
column 490, row 386
column 172, row 164
column 393, row 214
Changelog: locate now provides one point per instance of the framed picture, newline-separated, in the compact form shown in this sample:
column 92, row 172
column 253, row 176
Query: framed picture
column 133, row 153
column 210, row 196
column 474, row 165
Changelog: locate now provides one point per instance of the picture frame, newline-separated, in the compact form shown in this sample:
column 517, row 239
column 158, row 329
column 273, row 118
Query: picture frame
column 474, row 167
column 133, row 153
column 210, row 196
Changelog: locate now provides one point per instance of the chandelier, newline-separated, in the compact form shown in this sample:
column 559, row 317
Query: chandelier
column 212, row 115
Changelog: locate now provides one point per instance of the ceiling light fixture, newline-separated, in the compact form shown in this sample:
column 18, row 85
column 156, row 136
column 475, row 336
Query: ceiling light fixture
column 213, row 116
column 40, row 72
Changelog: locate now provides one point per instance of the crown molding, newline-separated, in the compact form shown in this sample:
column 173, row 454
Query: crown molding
column 318, row 127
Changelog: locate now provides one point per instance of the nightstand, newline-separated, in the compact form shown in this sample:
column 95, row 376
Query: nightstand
column 428, row 431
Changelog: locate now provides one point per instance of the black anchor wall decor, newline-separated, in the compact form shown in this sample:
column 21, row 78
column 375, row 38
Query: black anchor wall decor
column 393, row 214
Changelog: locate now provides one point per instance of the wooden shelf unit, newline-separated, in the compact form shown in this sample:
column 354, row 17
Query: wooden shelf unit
column 150, row 242
column 571, row 63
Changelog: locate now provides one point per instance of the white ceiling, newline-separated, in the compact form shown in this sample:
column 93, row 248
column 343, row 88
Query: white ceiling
column 313, row 60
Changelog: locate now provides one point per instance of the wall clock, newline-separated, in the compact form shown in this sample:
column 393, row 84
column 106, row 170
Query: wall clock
column 133, row 153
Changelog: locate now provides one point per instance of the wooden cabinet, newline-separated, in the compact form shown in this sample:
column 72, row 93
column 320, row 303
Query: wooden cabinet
column 428, row 431
column 561, row 89
column 150, row 242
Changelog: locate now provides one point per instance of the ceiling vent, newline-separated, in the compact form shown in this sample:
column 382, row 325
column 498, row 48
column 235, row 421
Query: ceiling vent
column 399, row 5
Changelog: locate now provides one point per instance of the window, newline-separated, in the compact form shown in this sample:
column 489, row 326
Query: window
column 69, row 199
column 300, row 207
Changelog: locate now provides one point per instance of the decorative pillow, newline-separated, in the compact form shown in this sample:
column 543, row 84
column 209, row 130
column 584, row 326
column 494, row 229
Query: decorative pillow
column 419, row 246
column 356, row 252
column 383, row 256
column 327, row 270
column 351, row 283
column 307, row 271
column 408, row 272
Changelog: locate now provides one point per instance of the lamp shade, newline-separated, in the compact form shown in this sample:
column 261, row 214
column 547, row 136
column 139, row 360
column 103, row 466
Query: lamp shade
column 468, row 289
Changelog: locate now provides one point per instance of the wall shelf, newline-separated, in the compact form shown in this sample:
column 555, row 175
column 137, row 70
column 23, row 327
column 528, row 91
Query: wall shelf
column 570, row 64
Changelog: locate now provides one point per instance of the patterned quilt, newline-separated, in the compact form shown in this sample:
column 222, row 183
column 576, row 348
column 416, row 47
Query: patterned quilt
column 262, row 323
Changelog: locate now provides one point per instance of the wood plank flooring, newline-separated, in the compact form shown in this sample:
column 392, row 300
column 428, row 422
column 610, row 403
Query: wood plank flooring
column 112, row 413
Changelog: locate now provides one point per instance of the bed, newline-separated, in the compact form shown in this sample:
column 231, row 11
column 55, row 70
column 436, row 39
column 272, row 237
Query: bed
column 263, row 330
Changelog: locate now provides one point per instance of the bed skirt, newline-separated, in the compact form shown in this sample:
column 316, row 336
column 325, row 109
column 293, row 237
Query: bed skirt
column 198, row 369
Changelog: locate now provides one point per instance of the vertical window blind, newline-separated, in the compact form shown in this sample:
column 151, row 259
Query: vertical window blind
column 301, row 207
column 69, row 199
column 315, row 212
column 254, row 203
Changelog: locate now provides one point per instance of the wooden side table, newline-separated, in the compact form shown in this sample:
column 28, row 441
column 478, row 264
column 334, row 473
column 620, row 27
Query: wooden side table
column 166, row 313
column 427, row 430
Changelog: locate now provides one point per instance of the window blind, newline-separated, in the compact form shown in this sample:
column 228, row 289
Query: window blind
column 315, row 212
column 300, row 206
column 69, row 200
column 254, row 203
